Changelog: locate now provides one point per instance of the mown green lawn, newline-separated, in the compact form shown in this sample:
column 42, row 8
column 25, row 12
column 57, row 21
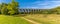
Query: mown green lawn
column 12, row 20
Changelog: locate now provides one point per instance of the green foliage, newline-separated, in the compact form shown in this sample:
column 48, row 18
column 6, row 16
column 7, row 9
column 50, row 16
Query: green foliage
column 10, row 8
column 4, row 9
column 48, row 11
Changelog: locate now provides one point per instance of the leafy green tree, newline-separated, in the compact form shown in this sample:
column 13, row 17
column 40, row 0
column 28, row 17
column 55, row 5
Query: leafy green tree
column 13, row 8
column 10, row 8
column 0, row 8
column 4, row 8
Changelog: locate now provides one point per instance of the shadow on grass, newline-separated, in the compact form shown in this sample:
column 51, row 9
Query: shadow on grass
column 20, row 15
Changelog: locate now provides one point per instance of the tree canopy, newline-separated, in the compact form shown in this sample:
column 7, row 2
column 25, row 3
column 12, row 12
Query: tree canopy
column 10, row 8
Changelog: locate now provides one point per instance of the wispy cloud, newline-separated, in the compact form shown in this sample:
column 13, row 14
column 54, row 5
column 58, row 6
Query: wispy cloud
column 36, row 4
column 44, row 4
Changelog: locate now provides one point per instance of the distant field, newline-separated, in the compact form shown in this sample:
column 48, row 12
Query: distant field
column 45, row 19
column 12, row 20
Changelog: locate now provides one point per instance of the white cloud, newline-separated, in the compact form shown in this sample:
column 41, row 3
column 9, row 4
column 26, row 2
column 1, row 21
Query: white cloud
column 45, row 4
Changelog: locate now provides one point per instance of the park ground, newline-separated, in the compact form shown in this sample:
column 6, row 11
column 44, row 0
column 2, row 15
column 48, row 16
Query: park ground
column 30, row 19
column 45, row 18
column 6, row 19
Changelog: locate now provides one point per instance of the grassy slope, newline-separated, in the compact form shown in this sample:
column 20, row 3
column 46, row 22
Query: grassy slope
column 50, row 19
column 12, row 20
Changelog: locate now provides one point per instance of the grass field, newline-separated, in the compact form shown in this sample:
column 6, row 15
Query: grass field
column 40, row 18
column 45, row 19
column 4, row 19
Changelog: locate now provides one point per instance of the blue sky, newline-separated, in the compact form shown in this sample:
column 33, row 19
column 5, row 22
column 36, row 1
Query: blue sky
column 36, row 4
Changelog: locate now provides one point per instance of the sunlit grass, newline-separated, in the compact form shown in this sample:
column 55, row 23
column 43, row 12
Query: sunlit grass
column 12, row 20
column 49, row 19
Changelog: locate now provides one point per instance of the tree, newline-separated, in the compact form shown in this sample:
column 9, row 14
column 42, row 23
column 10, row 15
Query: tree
column 10, row 8
column 4, row 8
column 0, row 8
column 13, row 8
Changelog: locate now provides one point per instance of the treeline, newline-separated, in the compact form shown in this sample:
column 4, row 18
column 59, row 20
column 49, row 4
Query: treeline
column 55, row 10
column 11, row 8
